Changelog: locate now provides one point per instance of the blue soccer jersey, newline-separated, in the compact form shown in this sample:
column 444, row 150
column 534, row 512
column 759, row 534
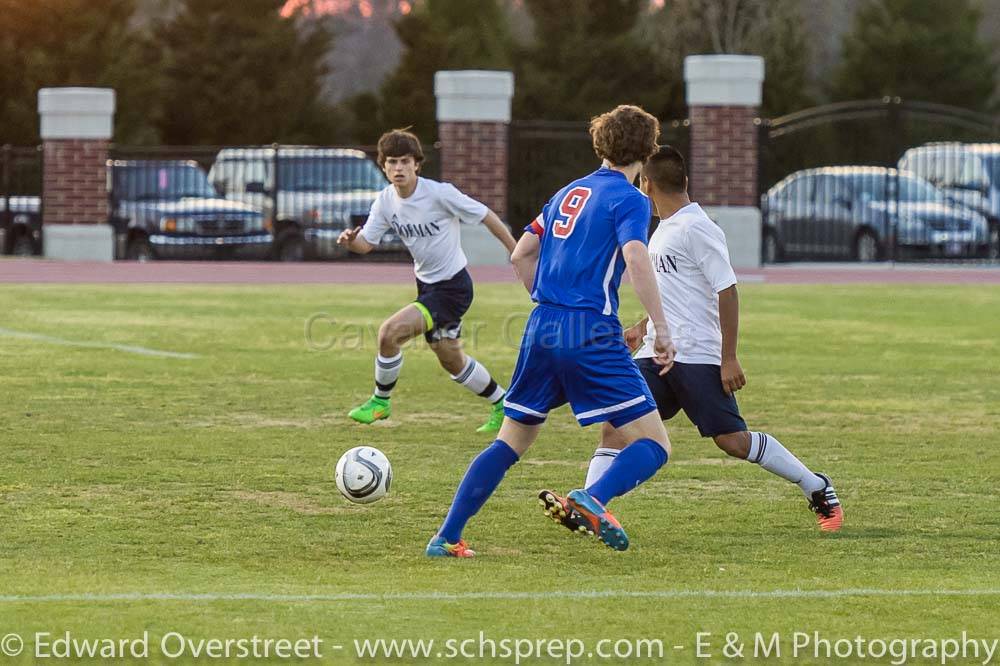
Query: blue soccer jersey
column 573, row 350
column 582, row 230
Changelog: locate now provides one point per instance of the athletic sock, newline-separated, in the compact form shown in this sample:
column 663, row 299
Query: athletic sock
column 636, row 463
column 475, row 377
column 599, row 464
column 386, row 373
column 769, row 453
column 480, row 480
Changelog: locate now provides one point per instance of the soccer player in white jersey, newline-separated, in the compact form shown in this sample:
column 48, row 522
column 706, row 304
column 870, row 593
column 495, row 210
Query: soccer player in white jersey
column 426, row 215
column 698, row 292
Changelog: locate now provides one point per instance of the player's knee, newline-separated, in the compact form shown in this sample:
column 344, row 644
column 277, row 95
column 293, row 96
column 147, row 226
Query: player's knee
column 611, row 438
column 451, row 362
column 736, row 444
column 389, row 337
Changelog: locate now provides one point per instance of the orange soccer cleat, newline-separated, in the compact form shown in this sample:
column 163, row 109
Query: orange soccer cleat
column 826, row 506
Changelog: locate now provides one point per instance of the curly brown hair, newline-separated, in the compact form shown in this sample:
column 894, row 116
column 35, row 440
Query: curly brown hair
column 624, row 135
column 397, row 143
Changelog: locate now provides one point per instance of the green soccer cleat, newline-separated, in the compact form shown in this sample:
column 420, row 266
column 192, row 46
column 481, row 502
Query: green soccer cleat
column 495, row 420
column 374, row 409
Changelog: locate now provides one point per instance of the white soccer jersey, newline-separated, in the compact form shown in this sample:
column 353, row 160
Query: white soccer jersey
column 692, row 266
column 427, row 222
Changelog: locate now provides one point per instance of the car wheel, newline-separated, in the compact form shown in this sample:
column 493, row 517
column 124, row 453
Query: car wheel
column 139, row 250
column 866, row 247
column 291, row 247
column 771, row 248
column 23, row 247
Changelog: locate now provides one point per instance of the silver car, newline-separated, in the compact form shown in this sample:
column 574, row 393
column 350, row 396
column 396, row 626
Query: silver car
column 864, row 212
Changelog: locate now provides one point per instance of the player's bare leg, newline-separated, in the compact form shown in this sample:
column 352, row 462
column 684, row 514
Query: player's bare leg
column 404, row 325
column 474, row 376
column 482, row 478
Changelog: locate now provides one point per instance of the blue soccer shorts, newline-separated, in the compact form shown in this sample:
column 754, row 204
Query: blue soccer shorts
column 579, row 357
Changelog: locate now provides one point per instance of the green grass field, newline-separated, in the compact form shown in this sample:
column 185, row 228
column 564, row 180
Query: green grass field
column 130, row 474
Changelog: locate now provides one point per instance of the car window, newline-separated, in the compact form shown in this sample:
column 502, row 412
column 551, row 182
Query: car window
column 160, row 182
column 916, row 189
column 925, row 164
column 328, row 174
column 232, row 174
column 960, row 170
column 870, row 186
column 799, row 190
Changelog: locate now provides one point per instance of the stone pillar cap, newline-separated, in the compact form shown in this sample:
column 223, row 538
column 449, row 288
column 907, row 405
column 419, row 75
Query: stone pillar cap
column 76, row 113
column 473, row 95
column 723, row 80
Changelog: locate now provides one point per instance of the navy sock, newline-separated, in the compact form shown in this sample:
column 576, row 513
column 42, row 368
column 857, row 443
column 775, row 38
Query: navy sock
column 481, row 479
column 636, row 463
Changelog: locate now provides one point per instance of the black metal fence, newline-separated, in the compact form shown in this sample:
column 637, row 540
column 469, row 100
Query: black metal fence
column 546, row 155
column 881, row 180
column 20, row 200
column 286, row 202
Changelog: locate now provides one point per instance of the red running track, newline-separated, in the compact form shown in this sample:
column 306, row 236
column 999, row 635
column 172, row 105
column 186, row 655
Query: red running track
column 42, row 271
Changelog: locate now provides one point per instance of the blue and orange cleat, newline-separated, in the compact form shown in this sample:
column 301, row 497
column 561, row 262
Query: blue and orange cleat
column 556, row 508
column 604, row 525
column 826, row 505
column 438, row 547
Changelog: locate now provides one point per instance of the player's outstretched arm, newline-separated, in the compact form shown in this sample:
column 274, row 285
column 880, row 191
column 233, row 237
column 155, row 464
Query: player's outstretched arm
column 640, row 270
column 733, row 378
column 500, row 230
column 354, row 241
column 525, row 259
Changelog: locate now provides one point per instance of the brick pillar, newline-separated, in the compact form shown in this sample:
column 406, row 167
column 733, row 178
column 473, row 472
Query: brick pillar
column 473, row 114
column 76, row 128
column 723, row 96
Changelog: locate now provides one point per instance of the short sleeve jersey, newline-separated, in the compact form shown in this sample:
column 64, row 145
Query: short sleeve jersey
column 691, row 261
column 427, row 223
column 582, row 230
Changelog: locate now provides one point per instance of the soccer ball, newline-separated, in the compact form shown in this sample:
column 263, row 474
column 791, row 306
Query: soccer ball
column 364, row 474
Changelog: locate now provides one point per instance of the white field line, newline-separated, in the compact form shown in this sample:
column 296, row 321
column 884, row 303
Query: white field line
column 506, row 596
column 38, row 337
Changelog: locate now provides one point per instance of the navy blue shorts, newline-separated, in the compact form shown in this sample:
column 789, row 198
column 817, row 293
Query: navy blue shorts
column 579, row 357
column 443, row 305
column 697, row 389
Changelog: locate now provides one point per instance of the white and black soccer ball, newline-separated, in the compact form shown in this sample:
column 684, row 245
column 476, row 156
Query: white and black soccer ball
column 364, row 474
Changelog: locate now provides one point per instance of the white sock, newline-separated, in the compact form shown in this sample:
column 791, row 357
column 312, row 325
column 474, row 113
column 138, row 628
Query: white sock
column 599, row 464
column 768, row 452
column 475, row 377
column 386, row 373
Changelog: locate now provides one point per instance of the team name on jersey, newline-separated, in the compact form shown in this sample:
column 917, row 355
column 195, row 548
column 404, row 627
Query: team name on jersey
column 663, row 263
column 414, row 230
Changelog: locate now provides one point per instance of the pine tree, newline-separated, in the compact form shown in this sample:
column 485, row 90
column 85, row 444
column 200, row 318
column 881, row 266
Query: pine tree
column 586, row 58
column 47, row 43
column 917, row 50
column 238, row 72
column 436, row 35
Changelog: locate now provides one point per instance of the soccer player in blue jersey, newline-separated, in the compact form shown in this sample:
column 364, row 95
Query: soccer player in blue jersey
column 573, row 348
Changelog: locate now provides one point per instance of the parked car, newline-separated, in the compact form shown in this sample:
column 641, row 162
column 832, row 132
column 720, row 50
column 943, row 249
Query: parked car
column 968, row 174
column 859, row 212
column 20, row 226
column 311, row 193
column 168, row 209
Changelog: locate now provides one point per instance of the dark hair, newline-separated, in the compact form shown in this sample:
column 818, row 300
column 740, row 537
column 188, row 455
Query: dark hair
column 397, row 143
column 666, row 170
column 624, row 135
